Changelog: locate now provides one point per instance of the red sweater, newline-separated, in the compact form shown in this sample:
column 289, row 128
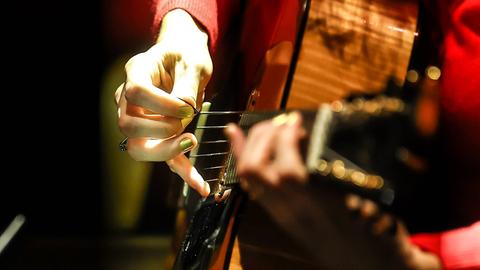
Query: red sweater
column 460, row 104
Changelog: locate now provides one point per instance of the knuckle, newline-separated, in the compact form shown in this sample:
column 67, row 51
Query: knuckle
column 132, row 61
column 172, row 58
column 200, row 65
column 203, row 67
column 248, row 168
column 258, row 129
column 126, row 126
column 133, row 91
column 290, row 173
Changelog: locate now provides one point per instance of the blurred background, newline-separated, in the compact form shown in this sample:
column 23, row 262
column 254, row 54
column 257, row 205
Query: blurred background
column 77, row 201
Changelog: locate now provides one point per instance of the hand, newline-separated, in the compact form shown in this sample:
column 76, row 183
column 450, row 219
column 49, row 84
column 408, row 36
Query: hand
column 270, row 156
column 272, row 172
column 162, row 87
column 393, row 232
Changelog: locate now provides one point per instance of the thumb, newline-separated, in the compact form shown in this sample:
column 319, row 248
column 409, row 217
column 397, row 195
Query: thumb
column 189, row 84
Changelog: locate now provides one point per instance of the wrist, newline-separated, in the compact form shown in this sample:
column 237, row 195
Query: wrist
column 178, row 23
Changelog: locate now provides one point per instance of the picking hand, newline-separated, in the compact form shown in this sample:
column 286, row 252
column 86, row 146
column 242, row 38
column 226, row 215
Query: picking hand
column 162, row 88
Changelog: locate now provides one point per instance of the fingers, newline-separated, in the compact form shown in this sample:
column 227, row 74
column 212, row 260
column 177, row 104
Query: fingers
column 289, row 162
column 157, row 101
column 135, row 123
column 236, row 137
column 191, row 78
column 254, row 161
column 159, row 127
column 187, row 83
column 144, row 149
column 270, row 155
column 155, row 68
column 142, row 73
column 182, row 166
column 238, row 141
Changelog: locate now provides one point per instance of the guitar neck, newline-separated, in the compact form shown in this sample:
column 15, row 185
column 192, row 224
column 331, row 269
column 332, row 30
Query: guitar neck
column 322, row 161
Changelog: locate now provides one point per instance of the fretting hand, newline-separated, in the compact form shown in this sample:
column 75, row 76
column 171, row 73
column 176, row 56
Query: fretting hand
column 272, row 172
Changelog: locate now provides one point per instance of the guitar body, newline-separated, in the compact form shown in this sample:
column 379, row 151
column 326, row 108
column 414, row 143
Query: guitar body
column 360, row 45
column 297, row 54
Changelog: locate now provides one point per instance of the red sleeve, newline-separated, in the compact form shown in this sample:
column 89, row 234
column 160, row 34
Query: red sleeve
column 457, row 249
column 460, row 24
column 460, row 77
column 204, row 11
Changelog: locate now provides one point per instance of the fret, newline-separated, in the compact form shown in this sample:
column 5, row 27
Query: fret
column 319, row 157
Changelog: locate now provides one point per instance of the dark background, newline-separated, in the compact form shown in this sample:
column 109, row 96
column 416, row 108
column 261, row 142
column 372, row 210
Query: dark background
column 54, row 58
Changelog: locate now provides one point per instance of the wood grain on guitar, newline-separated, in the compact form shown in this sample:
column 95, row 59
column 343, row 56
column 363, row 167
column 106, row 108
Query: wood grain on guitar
column 352, row 46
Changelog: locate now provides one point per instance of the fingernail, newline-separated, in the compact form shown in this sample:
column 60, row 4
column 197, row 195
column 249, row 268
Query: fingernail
column 293, row 117
column 280, row 119
column 206, row 188
column 185, row 111
column 186, row 144
column 186, row 121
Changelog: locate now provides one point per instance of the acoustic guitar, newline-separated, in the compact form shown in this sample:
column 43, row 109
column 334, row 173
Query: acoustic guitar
column 316, row 53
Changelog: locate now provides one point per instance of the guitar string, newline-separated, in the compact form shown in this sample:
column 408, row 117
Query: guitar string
column 214, row 168
column 231, row 170
column 213, row 142
column 210, row 127
column 210, row 154
column 214, row 127
column 222, row 112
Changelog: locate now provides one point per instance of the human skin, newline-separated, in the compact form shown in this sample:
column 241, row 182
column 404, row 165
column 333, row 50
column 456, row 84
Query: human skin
column 163, row 86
